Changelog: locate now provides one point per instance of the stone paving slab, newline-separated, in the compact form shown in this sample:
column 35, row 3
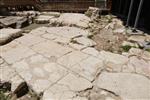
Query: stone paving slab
column 138, row 52
column 39, row 31
column 43, row 19
column 85, row 41
column 91, row 51
column 72, row 58
column 79, row 20
column 7, row 47
column 76, row 46
column 49, row 36
column 127, row 85
column 66, row 88
column 68, row 32
column 39, row 72
column 51, row 49
column 113, row 58
column 11, row 20
column 88, row 68
column 7, row 34
column 29, row 40
column 57, row 38
column 141, row 66
column 15, row 53
column 8, row 74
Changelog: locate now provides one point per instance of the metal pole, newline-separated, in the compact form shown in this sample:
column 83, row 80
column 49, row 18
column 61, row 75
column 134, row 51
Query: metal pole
column 129, row 14
column 138, row 14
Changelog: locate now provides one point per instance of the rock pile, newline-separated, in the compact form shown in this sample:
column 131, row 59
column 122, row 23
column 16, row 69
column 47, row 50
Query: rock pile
column 13, row 21
column 93, row 13
column 143, row 41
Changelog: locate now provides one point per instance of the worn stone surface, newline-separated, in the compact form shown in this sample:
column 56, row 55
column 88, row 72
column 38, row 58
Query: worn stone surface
column 91, row 51
column 99, row 94
column 77, row 46
column 43, row 19
column 29, row 40
column 39, row 72
column 62, row 40
column 11, row 20
column 75, row 19
column 67, row 32
column 88, row 68
column 64, row 34
column 15, row 53
column 7, row 34
column 49, row 36
column 8, row 74
column 66, row 88
column 113, row 58
column 50, row 49
column 55, row 14
column 140, row 53
column 137, row 38
column 85, row 41
column 141, row 66
column 72, row 58
column 126, row 85
column 39, row 31
column 1, row 60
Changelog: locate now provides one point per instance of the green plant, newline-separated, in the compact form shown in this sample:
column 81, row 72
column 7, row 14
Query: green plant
column 90, row 36
column 3, row 96
column 126, row 48
column 148, row 50
column 73, row 41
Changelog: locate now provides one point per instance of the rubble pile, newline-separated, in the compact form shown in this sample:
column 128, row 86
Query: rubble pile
column 18, row 19
column 93, row 13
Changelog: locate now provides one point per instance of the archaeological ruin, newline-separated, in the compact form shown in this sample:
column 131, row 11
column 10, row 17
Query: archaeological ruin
column 74, row 50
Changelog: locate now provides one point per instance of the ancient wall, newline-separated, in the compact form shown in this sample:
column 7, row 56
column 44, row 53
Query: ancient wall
column 56, row 5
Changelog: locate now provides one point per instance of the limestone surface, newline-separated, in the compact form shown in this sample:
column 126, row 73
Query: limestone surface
column 74, row 19
column 43, row 19
column 39, row 72
column 15, row 53
column 119, row 84
column 50, row 49
column 29, row 40
column 85, row 41
column 67, row 32
column 7, row 34
column 66, row 88
column 64, row 63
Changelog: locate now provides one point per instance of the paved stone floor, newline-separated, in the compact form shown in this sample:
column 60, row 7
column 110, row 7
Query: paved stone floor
column 61, row 63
